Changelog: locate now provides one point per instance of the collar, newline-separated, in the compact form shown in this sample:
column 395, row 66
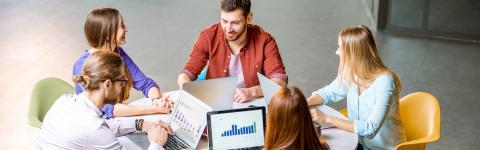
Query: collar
column 89, row 103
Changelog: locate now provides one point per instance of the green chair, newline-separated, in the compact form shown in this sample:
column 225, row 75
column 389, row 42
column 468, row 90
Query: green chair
column 44, row 94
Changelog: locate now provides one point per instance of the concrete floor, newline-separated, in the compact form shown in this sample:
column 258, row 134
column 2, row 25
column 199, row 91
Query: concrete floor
column 43, row 38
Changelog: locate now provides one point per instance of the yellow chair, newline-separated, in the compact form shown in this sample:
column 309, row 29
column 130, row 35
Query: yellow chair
column 344, row 112
column 420, row 114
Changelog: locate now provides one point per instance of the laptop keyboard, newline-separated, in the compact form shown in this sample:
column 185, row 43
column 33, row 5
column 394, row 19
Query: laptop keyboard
column 175, row 143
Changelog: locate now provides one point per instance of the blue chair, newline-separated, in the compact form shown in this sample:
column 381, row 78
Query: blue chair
column 202, row 75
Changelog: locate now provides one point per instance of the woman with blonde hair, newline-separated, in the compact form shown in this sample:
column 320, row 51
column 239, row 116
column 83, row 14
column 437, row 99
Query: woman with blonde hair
column 105, row 31
column 372, row 91
column 288, row 123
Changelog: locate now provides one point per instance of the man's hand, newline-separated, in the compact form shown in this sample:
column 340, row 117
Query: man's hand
column 149, row 124
column 243, row 95
column 183, row 78
column 157, row 134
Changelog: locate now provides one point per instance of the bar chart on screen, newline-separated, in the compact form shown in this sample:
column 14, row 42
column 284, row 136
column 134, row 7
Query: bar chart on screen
column 251, row 129
column 239, row 134
column 233, row 130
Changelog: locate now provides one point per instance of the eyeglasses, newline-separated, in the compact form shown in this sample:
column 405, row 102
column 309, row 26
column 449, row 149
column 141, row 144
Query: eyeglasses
column 123, row 82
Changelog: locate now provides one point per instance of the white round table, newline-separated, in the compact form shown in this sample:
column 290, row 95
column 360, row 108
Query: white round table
column 335, row 138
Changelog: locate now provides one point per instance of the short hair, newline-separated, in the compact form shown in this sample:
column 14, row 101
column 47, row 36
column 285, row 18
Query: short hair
column 232, row 5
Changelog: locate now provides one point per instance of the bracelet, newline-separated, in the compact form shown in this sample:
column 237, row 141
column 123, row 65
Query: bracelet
column 139, row 124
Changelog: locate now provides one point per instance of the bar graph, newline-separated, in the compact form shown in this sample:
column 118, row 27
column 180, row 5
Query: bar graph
column 237, row 130
column 251, row 129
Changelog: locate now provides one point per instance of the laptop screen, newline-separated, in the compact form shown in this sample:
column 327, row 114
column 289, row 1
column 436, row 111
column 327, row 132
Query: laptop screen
column 236, row 128
column 269, row 88
column 188, row 118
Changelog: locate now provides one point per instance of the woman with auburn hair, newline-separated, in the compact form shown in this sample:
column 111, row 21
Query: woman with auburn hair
column 105, row 31
column 288, row 123
column 371, row 89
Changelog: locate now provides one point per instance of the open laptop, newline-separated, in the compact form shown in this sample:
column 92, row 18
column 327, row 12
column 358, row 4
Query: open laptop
column 217, row 93
column 237, row 128
column 269, row 88
column 188, row 120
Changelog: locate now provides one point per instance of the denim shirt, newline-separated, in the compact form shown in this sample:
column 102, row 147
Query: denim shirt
column 374, row 112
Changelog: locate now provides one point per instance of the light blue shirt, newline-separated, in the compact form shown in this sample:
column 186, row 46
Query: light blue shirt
column 374, row 112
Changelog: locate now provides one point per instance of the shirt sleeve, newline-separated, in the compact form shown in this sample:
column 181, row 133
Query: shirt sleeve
column 198, row 57
column 155, row 146
column 273, row 64
column 333, row 93
column 120, row 128
column 383, row 99
column 140, row 81
column 103, row 139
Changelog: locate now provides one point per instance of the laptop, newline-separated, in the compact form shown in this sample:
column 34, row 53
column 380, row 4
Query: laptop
column 237, row 128
column 187, row 120
column 269, row 88
column 217, row 93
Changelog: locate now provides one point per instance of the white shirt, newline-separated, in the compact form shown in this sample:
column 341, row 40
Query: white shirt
column 235, row 70
column 74, row 122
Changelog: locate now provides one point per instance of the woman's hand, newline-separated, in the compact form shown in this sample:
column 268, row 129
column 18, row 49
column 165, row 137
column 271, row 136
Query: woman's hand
column 164, row 104
column 318, row 115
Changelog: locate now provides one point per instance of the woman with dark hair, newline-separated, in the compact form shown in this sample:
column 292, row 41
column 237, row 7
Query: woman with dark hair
column 289, row 124
column 105, row 31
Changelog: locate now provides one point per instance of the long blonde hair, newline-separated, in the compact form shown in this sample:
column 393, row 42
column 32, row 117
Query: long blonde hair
column 360, row 60
column 101, row 29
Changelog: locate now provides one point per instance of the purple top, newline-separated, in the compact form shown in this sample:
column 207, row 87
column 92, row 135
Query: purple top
column 140, row 81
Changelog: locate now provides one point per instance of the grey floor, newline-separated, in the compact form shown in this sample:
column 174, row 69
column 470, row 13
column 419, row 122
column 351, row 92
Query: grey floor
column 43, row 38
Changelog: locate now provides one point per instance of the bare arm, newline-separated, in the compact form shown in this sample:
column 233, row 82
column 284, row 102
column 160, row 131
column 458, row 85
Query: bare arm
column 343, row 124
column 127, row 110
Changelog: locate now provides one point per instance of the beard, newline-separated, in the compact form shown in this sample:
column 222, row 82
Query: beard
column 235, row 35
column 111, row 98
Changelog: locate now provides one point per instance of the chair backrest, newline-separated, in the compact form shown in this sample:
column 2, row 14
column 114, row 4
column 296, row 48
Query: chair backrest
column 420, row 114
column 44, row 94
